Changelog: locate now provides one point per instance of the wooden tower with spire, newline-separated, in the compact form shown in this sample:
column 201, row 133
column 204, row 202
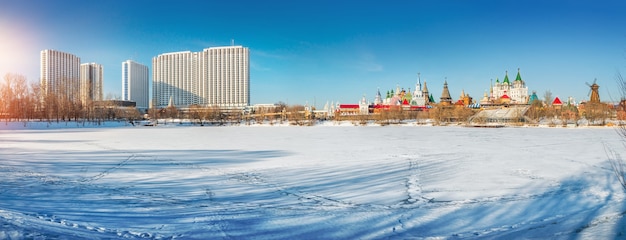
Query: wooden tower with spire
column 445, row 98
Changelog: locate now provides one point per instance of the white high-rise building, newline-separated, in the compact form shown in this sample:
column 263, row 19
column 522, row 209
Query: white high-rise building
column 226, row 76
column 135, row 83
column 91, row 88
column 60, row 73
column 218, row 76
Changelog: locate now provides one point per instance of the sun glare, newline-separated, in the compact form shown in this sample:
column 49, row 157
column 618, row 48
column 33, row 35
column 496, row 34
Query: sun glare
column 17, row 49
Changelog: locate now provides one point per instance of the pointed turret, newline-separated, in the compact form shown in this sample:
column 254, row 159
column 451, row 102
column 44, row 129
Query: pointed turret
column 445, row 94
column 491, row 89
column 485, row 99
column 518, row 78
column 506, row 78
column 419, row 80
column 379, row 99
column 533, row 98
column 408, row 96
column 171, row 103
column 418, row 85
column 419, row 98
column 363, row 105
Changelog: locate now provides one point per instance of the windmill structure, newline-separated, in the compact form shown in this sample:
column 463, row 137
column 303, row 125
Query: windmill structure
column 593, row 92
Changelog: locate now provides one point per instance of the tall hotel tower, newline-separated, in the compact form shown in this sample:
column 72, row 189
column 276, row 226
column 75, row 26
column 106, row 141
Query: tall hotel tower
column 91, row 88
column 59, row 73
column 217, row 76
column 135, row 83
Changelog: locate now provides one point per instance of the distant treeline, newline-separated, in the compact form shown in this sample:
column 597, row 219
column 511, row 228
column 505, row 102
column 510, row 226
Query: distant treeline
column 23, row 101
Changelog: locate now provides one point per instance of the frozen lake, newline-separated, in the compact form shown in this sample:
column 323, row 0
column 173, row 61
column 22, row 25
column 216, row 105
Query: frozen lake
column 328, row 182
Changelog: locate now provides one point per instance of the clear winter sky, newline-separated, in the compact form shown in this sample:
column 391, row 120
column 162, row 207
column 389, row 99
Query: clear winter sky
column 320, row 51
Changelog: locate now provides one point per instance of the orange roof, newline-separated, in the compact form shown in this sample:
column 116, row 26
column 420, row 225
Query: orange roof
column 557, row 101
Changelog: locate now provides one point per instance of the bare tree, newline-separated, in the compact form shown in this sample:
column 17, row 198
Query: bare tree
column 194, row 113
column 597, row 113
column 421, row 116
column 172, row 112
column 296, row 115
column 20, row 95
column 16, row 99
column 617, row 163
column 6, row 94
column 535, row 112
column 441, row 114
column 37, row 98
column 215, row 114
column 547, row 97
column 462, row 113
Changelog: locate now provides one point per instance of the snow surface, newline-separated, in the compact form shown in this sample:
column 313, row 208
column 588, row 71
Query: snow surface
column 321, row 182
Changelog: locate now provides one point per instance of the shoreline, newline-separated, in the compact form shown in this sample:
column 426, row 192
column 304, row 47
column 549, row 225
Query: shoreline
column 167, row 123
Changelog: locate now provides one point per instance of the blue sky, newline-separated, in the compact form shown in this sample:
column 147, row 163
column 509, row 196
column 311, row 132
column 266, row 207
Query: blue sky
column 319, row 51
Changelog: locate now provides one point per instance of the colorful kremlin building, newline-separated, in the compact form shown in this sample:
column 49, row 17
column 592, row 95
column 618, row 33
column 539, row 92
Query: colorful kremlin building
column 507, row 92
column 500, row 94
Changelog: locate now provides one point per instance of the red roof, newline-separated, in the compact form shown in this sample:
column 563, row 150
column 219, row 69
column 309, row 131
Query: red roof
column 557, row 101
column 505, row 96
column 405, row 102
column 348, row 105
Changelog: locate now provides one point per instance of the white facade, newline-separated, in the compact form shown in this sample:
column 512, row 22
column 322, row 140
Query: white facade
column 218, row 76
column 519, row 92
column 135, row 83
column 516, row 91
column 418, row 95
column 91, row 88
column 364, row 106
column 226, row 76
column 60, row 73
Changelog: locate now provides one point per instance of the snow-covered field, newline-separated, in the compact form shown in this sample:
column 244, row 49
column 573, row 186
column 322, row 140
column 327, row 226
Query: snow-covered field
column 321, row 182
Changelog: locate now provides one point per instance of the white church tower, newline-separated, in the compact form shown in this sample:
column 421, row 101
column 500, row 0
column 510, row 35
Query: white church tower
column 363, row 106
column 379, row 99
column 418, row 95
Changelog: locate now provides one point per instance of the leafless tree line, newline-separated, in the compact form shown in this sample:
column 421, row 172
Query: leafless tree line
column 218, row 116
column 24, row 101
